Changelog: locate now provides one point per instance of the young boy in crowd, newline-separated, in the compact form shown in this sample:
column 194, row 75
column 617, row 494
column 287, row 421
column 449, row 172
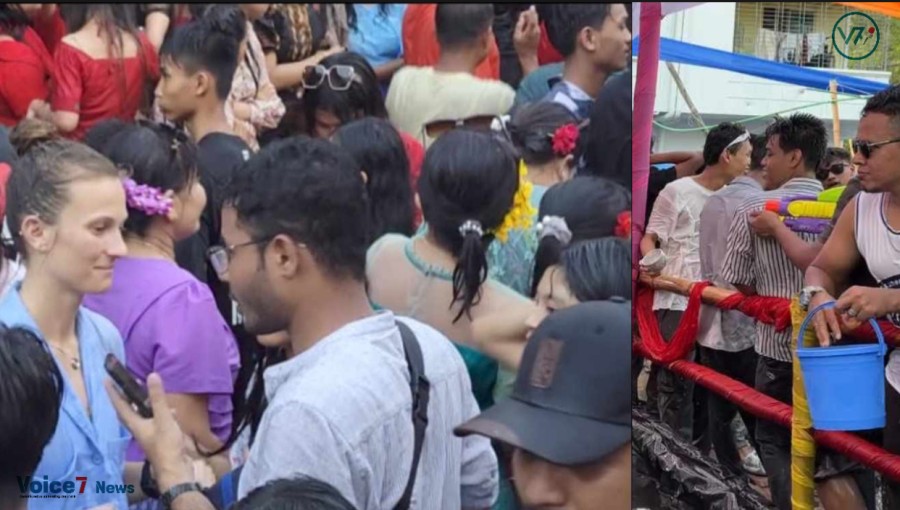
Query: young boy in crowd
column 198, row 62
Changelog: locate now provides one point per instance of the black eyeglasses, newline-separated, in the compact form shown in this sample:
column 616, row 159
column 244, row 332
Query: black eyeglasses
column 220, row 256
column 339, row 77
column 867, row 148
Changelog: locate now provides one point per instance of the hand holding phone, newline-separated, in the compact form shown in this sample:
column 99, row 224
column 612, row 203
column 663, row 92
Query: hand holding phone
column 132, row 390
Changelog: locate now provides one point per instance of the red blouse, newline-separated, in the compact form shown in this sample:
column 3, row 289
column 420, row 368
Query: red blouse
column 94, row 89
column 416, row 154
column 25, row 70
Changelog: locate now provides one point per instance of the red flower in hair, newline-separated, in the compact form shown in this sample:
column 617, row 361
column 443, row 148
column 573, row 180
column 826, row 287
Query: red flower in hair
column 565, row 139
column 623, row 224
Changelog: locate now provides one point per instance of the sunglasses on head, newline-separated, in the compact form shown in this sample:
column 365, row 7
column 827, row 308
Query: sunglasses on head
column 867, row 148
column 436, row 128
column 338, row 77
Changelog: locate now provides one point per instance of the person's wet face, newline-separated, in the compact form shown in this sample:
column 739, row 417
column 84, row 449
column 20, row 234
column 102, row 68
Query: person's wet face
column 739, row 162
column 544, row 485
column 878, row 172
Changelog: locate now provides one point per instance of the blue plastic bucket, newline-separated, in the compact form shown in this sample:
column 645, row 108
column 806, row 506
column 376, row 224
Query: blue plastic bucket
column 844, row 384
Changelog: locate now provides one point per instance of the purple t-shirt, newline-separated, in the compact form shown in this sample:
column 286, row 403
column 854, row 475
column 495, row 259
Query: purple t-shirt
column 171, row 326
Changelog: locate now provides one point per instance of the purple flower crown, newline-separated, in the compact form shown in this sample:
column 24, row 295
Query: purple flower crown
column 147, row 199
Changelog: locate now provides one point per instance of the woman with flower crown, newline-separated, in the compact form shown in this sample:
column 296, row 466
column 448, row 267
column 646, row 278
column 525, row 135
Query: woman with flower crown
column 168, row 318
column 472, row 190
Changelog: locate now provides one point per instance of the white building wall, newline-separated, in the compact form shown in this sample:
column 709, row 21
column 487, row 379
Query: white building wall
column 723, row 95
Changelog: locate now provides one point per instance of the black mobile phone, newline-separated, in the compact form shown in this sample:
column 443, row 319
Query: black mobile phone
column 135, row 393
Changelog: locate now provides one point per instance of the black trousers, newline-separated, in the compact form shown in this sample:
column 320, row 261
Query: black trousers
column 675, row 394
column 740, row 366
column 775, row 379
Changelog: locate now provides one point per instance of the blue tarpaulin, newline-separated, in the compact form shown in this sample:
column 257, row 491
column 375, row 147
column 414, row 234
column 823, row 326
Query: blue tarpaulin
column 680, row 52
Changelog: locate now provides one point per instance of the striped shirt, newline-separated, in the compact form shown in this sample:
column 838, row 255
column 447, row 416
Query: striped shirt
column 730, row 331
column 760, row 262
column 341, row 412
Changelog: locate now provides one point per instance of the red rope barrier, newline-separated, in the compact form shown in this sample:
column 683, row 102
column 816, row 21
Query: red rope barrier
column 768, row 408
column 683, row 340
column 768, row 310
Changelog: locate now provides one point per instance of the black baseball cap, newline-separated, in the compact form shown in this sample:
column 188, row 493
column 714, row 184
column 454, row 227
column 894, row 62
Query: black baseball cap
column 571, row 403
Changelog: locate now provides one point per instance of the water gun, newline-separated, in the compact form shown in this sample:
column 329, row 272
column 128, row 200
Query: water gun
column 807, row 214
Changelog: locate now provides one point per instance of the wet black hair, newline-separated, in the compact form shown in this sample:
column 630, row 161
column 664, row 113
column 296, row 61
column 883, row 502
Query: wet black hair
column 460, row 25
column 31, row 391
column 211, row 43
column 13, row 21
column 718, row 138
column 302, row 493
column 378, row 149
column 565, row 21
column 312, row 191
column 363, row 99
column 804, row 132
column 591, row 207
column 598, row 269
column 531, row 129
column 467, row 175
column 155, row 155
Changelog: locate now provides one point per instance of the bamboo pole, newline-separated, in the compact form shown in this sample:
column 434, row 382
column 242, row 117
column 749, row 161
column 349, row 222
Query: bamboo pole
column 687, row 98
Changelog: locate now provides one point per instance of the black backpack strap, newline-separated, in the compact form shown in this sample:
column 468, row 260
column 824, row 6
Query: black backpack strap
column 420, row 388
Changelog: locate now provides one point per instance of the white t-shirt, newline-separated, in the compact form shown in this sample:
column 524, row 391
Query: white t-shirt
column 676, row 222
column 419, row 95
column 879, row 244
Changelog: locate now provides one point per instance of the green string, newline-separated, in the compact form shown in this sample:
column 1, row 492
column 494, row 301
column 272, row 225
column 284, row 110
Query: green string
column 758, row 117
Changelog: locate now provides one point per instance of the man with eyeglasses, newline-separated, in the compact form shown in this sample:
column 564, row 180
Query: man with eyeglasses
column 675, row 225
column 341, row 407
column 759, row 265
column 867, row 232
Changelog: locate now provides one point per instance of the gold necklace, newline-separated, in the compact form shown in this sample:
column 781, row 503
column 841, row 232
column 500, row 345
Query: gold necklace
column 74, row 361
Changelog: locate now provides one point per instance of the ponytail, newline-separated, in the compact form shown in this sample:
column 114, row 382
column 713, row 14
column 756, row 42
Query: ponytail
column 471, row 269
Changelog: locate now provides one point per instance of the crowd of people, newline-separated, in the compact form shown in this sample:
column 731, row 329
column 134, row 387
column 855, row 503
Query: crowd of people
column 709, row 221
column 359, row 256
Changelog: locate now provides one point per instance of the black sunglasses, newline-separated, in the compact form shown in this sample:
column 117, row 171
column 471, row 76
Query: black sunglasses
column 867, row 148
column 835, row 169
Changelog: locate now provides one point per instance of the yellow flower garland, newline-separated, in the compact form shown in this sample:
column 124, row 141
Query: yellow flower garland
column 521, row 215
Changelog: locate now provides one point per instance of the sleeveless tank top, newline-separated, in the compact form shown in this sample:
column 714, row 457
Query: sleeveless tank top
column 879, row 244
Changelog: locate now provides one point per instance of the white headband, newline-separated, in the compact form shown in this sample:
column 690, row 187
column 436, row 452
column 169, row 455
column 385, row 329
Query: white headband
column 741, row 139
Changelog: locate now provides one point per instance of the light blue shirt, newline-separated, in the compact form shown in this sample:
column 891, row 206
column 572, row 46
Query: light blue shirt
column 378, row 38
column 82, row 446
